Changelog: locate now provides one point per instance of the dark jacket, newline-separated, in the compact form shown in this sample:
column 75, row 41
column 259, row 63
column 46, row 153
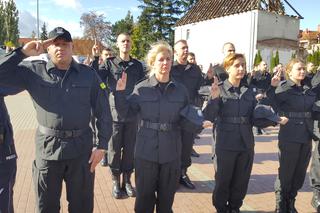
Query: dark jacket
column 7, row 148
column 61, row 104
column 190, row 76
column 261, row 80
column 111, row 70
column 296, row 103
column 232, row 105
column 154, row 106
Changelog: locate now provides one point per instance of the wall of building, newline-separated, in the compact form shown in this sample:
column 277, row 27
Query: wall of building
column 206, row 38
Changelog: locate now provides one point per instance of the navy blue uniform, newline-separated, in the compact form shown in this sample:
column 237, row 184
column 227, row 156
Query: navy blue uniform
column 8, row 156
column 234, row 149
column 64, row 101
column 121, row 145
column 158, row 141
column 294, row 102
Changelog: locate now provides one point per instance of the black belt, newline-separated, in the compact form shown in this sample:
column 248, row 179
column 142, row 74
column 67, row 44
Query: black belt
column 158, row 126
column 296, row 114
column 62, row 133
column 235, row 120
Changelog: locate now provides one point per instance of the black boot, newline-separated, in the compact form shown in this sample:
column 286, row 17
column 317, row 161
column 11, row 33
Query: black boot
column 315, row 202
column 281, row 204
column 291, row 207
column 126, row 185
column 116, row 192
column 185, row 180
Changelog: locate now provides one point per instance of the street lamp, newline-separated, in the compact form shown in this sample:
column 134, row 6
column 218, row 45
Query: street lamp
column 38, row 31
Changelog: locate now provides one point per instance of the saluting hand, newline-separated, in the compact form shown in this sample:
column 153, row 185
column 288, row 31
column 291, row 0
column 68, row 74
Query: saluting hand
column 215, row 90
column 276, row 79
column 35, row 48
column 283, row 120
column 122, row 82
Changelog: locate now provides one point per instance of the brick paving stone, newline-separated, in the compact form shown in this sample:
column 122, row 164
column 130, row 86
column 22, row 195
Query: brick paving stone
column 260, row 196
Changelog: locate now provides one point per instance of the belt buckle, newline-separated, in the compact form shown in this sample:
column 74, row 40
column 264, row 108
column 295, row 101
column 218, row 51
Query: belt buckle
column 163, row 127
column 242, row 120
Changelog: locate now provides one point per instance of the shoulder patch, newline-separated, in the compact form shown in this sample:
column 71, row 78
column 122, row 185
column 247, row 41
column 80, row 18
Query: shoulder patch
column 103, row 85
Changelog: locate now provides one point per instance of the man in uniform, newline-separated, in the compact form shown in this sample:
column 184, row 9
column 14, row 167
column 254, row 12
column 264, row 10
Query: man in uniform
column 8, row 156
column 190, row 76
column 121, row 145
column 64, row 94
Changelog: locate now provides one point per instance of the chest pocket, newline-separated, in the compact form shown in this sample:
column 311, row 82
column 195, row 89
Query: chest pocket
column 46, row 92
column 79, row 92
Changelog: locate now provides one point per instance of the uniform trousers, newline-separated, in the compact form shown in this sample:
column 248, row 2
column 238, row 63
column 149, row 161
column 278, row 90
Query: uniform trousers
column 48, row 177
column 8, row 171
column 187, row 139
column 233, row 169
column 293, row 159
column 156, row 185
column 315, row 168
column 121, row 147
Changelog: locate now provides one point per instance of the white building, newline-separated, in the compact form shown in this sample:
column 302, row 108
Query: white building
column 211, row 23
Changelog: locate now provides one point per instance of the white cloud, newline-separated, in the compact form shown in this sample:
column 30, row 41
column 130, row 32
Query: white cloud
column 74, row 4
column 28, row 23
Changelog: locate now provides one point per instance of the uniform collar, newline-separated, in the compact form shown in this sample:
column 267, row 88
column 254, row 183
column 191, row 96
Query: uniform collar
column 50, row 65
column 154, row 82
column 228, row 86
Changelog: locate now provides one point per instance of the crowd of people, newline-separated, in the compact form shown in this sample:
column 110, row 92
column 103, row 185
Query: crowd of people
column 112, row 110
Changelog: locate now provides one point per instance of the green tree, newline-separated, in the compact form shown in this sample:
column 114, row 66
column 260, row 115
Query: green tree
column 277, row 59
column 44, row 32
column 257, row 58
column 162, row 16
column 272, row 62
column 125, row 25
column 2, row 21
column 142, row 36
column 187, row 5
column 11, row 20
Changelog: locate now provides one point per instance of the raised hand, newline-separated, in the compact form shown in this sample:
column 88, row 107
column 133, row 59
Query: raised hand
column 122, row 82
column 95, row 49
column 210, row 72
column 35, row 48
column 276, row 79
column 215, row 90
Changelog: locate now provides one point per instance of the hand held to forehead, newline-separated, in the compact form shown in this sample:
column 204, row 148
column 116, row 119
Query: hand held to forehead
column 35, row 48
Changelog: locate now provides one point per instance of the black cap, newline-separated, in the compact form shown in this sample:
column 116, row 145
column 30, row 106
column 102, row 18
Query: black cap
column 264, row 116
column 60, row 32
column 194, row 117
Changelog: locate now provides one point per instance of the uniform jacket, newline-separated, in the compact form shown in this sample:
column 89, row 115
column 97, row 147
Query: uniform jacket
column 7, row 148
column 110, row 71
column 232, row 136
column 151, row 105
column 190, row 76
column 288, row 97
column 61, row 104
column 261, row 80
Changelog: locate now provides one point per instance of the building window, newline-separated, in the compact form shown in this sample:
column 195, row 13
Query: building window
column 188, row 34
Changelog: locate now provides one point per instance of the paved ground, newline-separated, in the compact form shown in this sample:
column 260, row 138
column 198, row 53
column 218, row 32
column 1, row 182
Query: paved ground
column 260, row 197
